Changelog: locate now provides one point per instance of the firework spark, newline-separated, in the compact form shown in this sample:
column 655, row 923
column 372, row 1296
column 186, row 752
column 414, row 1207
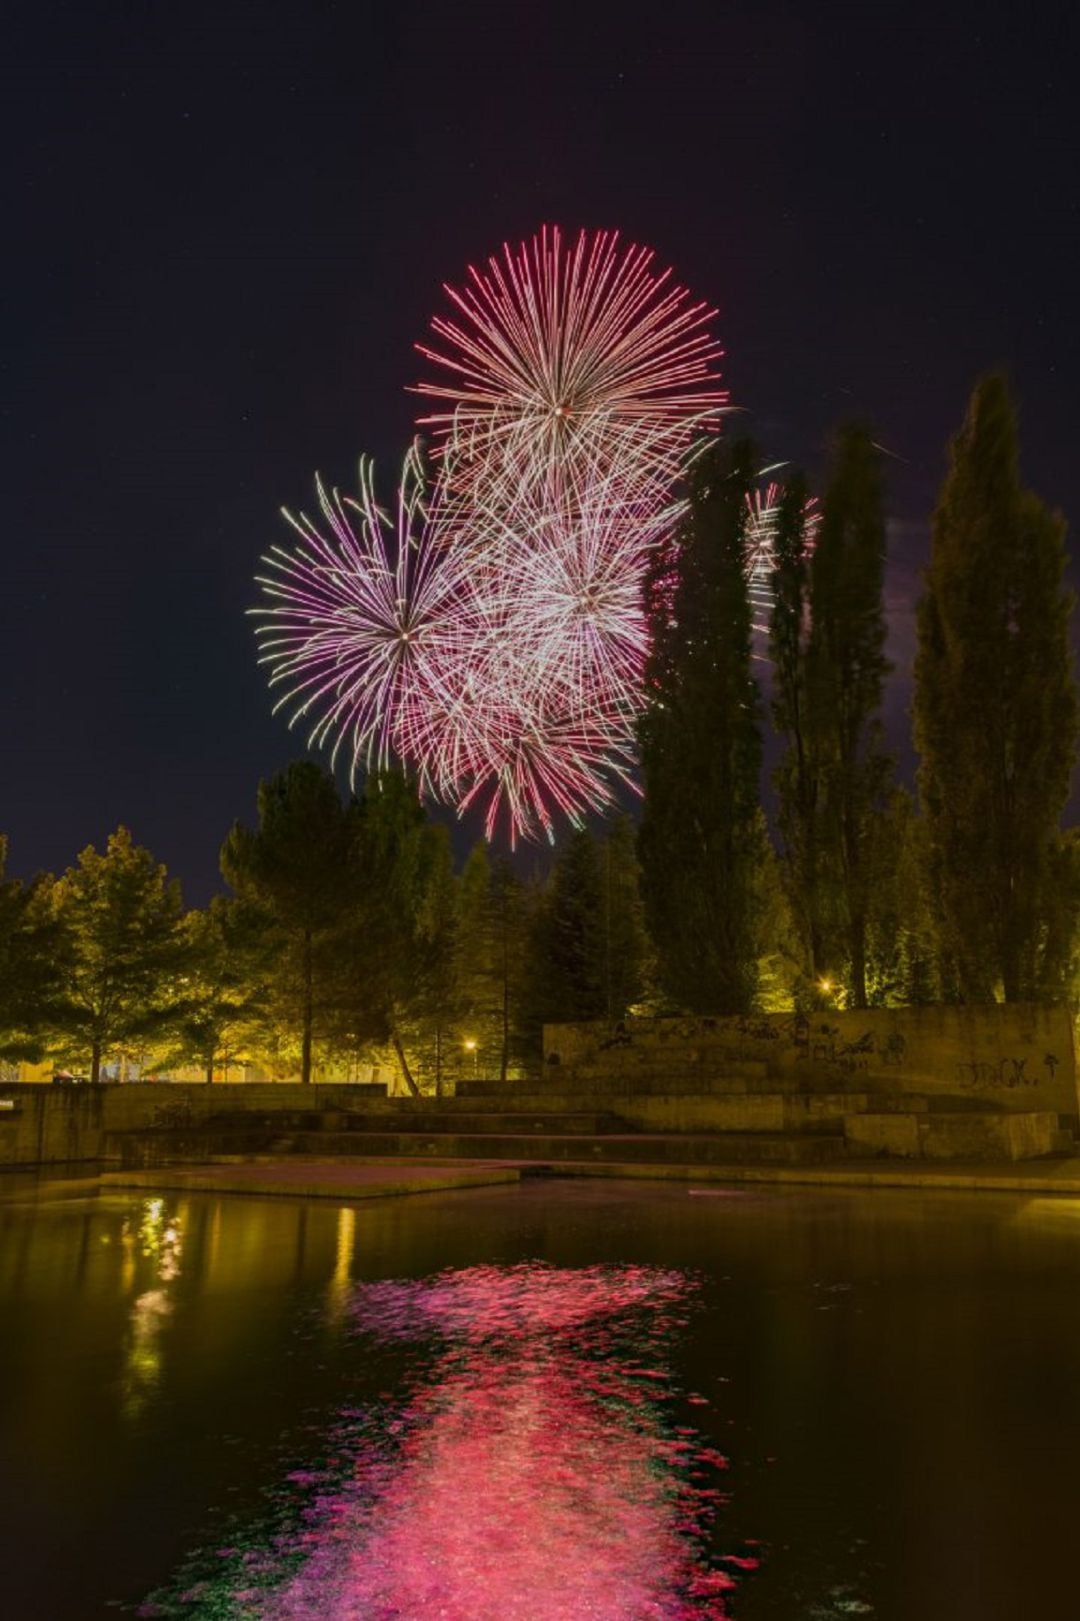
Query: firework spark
column 763, row 518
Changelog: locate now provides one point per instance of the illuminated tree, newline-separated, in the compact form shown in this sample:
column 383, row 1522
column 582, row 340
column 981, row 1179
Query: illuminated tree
column 995, row 711
column 388, row 957
column 296, row 868
column 227, row 970
column 122, row 953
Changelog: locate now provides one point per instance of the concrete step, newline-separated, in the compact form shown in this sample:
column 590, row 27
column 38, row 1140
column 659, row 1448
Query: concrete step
column 552, row 1122
column 611, row 1148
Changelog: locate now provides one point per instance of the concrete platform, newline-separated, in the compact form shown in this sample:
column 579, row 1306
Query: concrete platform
column 366, row 1179
column 314, row 1179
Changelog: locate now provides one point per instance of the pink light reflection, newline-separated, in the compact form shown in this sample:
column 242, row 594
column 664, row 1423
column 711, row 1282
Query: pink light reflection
column 535, row 1477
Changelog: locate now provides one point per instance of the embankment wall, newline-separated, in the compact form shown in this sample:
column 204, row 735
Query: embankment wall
column 55, row 1124
column 1018, row 1057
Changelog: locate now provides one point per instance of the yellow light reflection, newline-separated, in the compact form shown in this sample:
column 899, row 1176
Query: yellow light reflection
column 340, row 1286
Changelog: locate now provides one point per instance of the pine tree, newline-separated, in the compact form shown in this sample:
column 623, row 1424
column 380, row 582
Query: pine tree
column 995, row 708
column 297, row 867
column 845, row 678
column 700, row 839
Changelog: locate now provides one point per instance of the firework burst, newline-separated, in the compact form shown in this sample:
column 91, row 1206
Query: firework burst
column 491, row 635
column 557, row 349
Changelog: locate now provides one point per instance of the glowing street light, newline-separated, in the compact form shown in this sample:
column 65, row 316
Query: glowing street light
column 470, row 1047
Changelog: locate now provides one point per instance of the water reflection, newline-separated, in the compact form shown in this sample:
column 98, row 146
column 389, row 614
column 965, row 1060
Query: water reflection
column 154, row 1236
column 535, row 1468
column 340, row 1286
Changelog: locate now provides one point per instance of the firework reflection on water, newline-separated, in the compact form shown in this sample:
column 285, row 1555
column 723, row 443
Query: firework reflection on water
column 536, row 1469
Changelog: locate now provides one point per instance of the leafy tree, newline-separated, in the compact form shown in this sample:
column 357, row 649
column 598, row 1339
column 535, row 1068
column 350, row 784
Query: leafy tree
column 297, row 869
column 850, row 775
column 700, row 839
column 119, row 915
column 782, row 980
column 995, row 709
column 30, row 949
column 229, row 959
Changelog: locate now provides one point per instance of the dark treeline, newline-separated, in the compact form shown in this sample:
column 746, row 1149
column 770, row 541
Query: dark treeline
column 348, row 937
column 971, row 892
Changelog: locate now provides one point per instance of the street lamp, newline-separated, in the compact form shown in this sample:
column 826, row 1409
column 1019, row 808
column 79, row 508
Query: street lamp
column 470, row 1047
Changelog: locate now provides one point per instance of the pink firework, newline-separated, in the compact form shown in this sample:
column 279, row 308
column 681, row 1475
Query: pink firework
column 354, row 619
column 555, row 347
column 492, row 638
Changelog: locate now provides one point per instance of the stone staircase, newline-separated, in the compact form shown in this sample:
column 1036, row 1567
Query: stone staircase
column 734, row 1119
column 473, row 1127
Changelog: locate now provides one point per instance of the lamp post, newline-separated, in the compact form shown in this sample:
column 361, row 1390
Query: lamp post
column 470, row 1047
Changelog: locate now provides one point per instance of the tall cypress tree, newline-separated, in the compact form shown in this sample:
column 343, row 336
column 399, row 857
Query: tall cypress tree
column 798, row 776
column 845, row 676
column 700, row 839
column 995, row 708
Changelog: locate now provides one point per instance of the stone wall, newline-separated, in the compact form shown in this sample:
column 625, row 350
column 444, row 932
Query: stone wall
column 1016, row 1058
column 54, row 1124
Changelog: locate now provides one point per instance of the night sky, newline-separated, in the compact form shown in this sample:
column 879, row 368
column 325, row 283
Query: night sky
column 227, row 225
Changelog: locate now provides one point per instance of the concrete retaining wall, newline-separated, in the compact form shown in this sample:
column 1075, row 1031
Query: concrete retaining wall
column 51, row 1124
column 1018, row 1058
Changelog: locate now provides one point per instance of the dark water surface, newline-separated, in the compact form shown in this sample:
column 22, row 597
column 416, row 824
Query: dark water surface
column 561, row 1400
